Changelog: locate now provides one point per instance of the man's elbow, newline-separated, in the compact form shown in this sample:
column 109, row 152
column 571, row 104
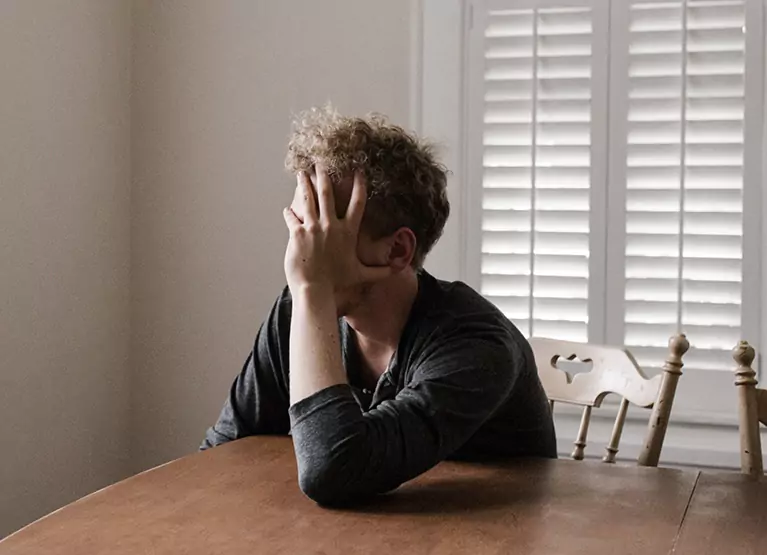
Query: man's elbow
column 337, row 473
column 319, row 483
column 340, row 485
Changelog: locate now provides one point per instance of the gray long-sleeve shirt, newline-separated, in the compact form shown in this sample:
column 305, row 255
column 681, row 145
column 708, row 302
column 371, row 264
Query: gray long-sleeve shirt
column 462, row 384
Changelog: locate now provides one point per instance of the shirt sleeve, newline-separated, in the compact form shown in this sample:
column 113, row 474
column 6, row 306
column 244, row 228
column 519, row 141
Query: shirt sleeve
column 258, row 399
column 343, row 454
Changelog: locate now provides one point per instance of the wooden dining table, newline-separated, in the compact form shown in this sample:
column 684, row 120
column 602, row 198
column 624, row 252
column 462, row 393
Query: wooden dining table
column 243, row 497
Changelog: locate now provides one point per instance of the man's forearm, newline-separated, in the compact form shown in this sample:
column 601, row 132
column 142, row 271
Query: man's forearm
column 315, row 349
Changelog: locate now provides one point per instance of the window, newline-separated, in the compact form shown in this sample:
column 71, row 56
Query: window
column 684, row 92
column 543, row 76
column 618, row 148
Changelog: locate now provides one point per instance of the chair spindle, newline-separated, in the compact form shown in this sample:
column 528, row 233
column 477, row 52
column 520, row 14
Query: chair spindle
column 612, row 448
column 580, row 442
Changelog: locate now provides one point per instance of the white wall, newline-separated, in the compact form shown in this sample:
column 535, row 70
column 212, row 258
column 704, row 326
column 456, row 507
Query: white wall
column 64, row 251
column 440, row 100
column 214, row 86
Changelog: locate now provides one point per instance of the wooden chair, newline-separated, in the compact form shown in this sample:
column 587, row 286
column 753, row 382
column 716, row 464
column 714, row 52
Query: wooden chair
column 614, row 370
column 752, row 410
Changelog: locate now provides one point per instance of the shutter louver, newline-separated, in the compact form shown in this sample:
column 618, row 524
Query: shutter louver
column 537, row 138
column 684, row 179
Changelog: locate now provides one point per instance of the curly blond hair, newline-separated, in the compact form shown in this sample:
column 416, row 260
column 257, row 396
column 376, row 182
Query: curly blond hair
column 406, row 184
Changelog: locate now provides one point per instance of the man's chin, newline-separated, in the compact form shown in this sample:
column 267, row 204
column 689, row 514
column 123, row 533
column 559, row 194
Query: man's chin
column 350, row 301
column 344, row 304
column 342, row 311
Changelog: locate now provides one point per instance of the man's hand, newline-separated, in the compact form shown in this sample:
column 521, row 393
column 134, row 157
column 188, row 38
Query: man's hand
column 322, row 250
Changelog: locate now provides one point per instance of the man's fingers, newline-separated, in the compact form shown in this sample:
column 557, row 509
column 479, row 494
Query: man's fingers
column 307, row 200
column 297, row 205
column 291, row 220
column 357, row 202
column 326, row 195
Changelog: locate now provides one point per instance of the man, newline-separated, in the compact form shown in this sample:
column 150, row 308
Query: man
column 377, row 369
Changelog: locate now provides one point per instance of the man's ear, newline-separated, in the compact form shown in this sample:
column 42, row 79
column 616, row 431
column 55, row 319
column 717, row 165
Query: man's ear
column 402, row 245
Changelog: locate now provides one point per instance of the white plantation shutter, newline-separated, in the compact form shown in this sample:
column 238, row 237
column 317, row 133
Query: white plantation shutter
column 541, row 77
column 629, row 240
column 679, row 78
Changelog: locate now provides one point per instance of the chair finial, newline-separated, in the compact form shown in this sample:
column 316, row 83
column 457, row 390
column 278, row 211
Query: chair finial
column 678, row 345
column 743, row 354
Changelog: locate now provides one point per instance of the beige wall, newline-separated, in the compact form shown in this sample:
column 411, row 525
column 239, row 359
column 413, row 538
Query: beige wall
column 179, row 268
column 214, row 86
column 64, row 251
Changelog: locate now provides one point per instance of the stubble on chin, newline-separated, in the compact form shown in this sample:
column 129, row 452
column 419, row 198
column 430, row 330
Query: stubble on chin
column 350, row 301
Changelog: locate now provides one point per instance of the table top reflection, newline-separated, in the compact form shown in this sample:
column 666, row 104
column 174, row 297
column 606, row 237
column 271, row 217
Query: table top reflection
column 243, row 497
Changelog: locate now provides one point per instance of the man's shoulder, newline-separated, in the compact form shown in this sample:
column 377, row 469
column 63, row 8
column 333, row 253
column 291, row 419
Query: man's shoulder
column 277, row 322
column 456, row 301
column 452, row 310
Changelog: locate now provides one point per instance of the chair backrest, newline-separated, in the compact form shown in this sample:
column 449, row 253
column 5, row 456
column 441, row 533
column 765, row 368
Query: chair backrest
column 752, row 410
column 614, row 370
